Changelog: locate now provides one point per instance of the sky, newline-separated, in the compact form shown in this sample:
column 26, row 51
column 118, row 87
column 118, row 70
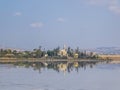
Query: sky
column 28, row 24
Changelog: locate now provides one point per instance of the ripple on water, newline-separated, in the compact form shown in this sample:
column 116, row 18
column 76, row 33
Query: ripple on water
column 43, row 89
column 7, row 84
column 56, row 89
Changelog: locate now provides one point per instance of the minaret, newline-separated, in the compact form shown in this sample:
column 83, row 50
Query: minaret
column 65, row 47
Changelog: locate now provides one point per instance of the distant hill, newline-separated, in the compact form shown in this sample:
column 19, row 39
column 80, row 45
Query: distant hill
column 107, row 50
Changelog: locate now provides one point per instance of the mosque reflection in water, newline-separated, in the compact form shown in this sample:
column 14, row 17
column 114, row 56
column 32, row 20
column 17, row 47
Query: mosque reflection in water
column 59, row 66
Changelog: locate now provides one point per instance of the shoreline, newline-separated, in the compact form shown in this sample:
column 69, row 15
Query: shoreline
column 38, row 60
column 13, row 60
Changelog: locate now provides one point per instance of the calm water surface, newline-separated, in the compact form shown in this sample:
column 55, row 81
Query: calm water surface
column 96, row 77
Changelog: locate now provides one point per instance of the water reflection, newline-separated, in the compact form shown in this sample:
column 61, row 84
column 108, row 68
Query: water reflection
column 59, row 66
column 93, row 75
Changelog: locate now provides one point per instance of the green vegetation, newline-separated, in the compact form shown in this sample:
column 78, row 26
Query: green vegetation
column 56, row 53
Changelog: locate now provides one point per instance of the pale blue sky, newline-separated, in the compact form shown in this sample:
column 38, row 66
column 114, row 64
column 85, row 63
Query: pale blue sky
column 26, row 24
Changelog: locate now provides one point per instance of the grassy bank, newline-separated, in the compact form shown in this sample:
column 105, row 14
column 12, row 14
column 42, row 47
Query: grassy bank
column 112, row 57
column 12, row 60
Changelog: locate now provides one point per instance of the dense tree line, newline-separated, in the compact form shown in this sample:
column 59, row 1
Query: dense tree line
column 42, row 53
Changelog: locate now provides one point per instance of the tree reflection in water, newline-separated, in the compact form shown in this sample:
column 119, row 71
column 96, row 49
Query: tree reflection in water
column 59, row 66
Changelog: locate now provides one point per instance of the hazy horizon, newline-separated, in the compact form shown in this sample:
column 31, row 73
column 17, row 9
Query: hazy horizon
column 28, row 24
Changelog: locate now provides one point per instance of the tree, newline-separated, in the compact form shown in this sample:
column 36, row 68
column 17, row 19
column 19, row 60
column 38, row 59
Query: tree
column 56, row 51
column 70, row 52
column 38, row 53
column 77, row 50
column 50, row 53
column 9, row 51
column 1, row 52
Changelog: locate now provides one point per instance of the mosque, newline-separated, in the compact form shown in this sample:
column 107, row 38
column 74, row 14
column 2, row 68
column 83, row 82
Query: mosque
column 63, row 52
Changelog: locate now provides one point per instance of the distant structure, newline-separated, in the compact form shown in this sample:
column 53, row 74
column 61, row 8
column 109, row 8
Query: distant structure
column 89, row 53
column 63, row 52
